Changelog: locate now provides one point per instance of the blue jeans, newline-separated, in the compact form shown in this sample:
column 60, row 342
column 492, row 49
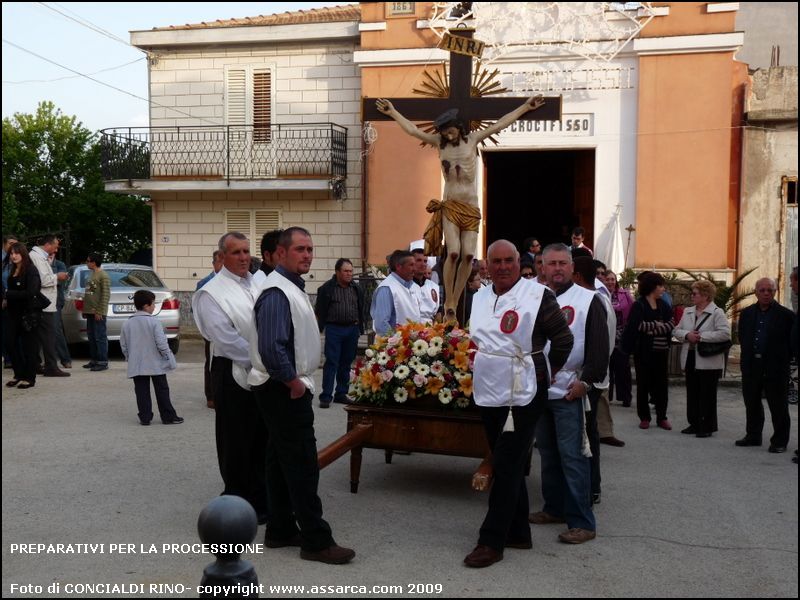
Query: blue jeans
column 341, row 342
column 566, row 476
column 98, row 340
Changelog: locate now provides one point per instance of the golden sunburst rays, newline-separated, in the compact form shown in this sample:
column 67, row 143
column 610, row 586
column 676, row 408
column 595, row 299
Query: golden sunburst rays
column 435, row 84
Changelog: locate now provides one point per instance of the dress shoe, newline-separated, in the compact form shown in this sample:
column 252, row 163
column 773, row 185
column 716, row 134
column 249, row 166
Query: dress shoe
column 292, row 541
column 176, row 421
column 12, row 382
column 324, row 403
column 145, row 423
column 56, row 373
column 342, row 399
column 89, row 365
column 40, row 370
column 690, row 429
column 66, row 364
column 665, row 424
column 576, row 536
column 776, row 449
column 332, row 555
column 612, row 441
column 482, row 556
column 99, row 368
column 644, row 425
column 703, row 434
column 24, row 385
column 746, row 441
column 543, row 518
column 524, row 545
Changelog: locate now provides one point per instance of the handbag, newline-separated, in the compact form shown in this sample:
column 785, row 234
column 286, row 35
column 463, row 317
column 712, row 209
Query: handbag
column 706, row 349
column 40, row 301
column 713, row 348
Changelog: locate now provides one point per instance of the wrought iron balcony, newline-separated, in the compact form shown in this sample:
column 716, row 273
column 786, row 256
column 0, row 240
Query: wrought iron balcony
column 225, row 152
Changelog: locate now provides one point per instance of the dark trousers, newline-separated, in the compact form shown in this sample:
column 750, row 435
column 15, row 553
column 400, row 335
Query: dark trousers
column 292, row 468
column 24, row 349
column 619, row 376
column 207, row 386
column 98, row 340
column 47, row 341
column 507, row 517
column 141, row 384
column 651, row 381
column 62, row 350
column 241, row 438
column 701, row 396
column 341, row 343
column 754, row 384
column 594, row 438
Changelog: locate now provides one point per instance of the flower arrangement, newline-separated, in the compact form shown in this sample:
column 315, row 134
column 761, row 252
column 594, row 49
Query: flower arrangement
column 417, row 360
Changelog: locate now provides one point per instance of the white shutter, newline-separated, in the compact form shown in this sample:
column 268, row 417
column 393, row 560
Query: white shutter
column 236, row 101
column 254, row 224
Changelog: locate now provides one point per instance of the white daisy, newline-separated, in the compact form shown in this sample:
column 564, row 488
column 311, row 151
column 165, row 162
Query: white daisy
column 420, row 348
column 445, row 395
column 382, row 358
column 400, row 395
column 423, row 369
column 402, row 372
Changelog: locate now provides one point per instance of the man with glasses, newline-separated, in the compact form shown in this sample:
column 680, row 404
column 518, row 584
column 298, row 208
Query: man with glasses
column 764, row 333
column 530, row 248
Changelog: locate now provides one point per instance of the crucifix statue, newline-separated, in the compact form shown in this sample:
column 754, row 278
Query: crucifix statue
column 457, row 135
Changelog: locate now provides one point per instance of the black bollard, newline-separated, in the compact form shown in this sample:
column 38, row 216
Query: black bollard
column 228, row 521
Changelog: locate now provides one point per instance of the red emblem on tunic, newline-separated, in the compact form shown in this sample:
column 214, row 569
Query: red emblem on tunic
column 435, row 296
column 569, row 314
column 509, row 321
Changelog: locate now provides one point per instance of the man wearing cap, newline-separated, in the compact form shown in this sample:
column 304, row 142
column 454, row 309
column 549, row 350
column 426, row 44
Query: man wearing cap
column 458, row 215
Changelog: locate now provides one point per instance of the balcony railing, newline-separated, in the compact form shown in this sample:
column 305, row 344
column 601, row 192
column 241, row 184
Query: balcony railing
column 225, row 152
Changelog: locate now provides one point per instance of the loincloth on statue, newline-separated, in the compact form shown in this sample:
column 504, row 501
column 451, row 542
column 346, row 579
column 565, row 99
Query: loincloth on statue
column 464, row 216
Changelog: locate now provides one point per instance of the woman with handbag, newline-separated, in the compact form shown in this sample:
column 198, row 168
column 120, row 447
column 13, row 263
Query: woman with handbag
column 24, row 287
column 706, row 336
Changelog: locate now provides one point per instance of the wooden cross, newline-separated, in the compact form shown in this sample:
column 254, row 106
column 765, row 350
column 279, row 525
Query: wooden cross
column 470, row 108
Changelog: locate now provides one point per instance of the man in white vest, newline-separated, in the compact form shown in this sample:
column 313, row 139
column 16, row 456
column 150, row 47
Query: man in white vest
column 561, row 432
column 428, row 291
column 396, row 300
column 512, row 320
column 285, row 354
column 223, row 311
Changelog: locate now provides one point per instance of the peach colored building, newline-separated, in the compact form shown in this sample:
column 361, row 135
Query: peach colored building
column 652, row 135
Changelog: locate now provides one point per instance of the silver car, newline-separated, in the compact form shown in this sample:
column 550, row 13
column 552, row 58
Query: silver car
column 125, row 281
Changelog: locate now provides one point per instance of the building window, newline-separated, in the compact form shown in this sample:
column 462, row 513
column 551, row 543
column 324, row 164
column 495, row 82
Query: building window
column 254, row 223
column 249, row 100
column 789, row 190
column 399, row 9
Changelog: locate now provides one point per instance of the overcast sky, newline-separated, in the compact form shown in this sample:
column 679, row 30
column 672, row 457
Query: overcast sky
column 38, row 28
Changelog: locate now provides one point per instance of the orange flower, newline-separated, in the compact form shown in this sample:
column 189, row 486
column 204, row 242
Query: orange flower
column 466, row 385
column 434, row 385
column 463, row 345
column 461, row 361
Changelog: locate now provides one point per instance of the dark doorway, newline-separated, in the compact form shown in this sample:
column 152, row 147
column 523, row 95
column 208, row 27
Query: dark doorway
column 539, row 193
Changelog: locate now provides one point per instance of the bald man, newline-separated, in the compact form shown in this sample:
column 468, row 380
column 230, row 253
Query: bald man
column 765, row 337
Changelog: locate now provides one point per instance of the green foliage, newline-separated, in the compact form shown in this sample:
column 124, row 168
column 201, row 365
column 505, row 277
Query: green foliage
column 52, row 183
column 728, row 297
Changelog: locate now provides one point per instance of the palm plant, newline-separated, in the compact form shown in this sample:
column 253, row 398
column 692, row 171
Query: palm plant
column 728, row 297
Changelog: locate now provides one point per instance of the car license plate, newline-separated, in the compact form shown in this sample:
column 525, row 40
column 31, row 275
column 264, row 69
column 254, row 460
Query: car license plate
column 124, row 308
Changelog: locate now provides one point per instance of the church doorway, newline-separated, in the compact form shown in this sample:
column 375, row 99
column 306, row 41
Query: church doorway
column 542, row 193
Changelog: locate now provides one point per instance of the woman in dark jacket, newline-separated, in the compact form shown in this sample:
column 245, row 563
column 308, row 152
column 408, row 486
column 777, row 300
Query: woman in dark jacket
column 647, row 336
column 23, row 319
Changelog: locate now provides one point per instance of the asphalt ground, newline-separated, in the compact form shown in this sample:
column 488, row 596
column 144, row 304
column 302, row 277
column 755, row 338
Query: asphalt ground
column 680, row 516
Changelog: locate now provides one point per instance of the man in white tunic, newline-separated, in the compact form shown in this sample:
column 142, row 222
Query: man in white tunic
column 428, row 291
column 561, row 432
column 223, row 311
column 396, row 300
column 285, row 354
column 511, row 322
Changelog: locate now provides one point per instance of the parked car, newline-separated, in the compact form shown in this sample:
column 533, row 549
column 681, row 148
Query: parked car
column 125, row 281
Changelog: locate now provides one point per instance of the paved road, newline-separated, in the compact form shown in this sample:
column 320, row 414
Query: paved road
column 680, row 516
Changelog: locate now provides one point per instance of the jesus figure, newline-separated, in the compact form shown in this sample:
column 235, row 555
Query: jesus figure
column 458, row 215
